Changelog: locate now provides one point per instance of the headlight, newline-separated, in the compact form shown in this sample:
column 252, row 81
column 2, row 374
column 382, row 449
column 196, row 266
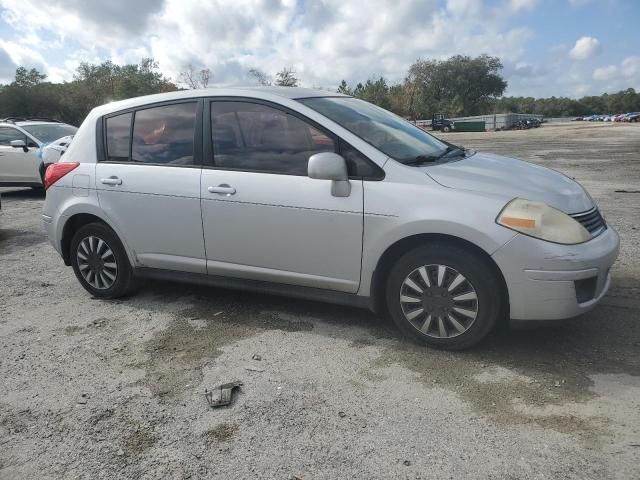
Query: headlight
column 541, row 221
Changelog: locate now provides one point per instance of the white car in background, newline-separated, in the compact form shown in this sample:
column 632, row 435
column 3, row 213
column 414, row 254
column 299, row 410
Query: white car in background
column 20, row 141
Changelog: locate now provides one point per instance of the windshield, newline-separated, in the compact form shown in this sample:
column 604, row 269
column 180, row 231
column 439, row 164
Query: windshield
column 48, row 132
column 387, row 132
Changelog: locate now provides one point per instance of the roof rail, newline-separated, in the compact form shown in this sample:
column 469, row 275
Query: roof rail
column 12, row 119
column 27, row 119
column 42, row 119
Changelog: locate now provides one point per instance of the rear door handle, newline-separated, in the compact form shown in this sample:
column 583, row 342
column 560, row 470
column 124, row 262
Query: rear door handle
column 111, row 181
column 222, row 189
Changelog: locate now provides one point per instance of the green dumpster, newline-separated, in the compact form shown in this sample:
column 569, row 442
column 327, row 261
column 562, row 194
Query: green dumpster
column 469, row 126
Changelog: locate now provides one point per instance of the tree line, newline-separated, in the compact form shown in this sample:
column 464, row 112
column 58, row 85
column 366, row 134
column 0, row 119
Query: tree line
column 457, row 86
column 31, row 95
column 464, row 86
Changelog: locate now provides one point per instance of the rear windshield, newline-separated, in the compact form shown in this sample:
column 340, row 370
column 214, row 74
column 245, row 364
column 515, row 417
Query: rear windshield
column 46, row 133
column 389, row 133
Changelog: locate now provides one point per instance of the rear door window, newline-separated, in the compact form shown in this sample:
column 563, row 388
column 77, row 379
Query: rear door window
column 8, row 134
column 164, row 135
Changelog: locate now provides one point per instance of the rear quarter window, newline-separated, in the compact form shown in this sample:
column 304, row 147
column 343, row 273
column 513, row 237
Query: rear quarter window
column 118, row 133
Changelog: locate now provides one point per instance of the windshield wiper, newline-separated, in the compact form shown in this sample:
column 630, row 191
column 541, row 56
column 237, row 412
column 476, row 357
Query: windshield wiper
column 420, row 159
column 449, row 152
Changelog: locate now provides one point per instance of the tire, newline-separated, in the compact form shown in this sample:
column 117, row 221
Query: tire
column 446, row 129
column 478, row 296
column 107, row 273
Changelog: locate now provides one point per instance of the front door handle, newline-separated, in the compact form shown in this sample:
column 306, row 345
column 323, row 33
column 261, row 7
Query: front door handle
column 222, row 189
column 111, row 181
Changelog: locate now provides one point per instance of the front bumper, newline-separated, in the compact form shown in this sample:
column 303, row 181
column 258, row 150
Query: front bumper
column 548, row 281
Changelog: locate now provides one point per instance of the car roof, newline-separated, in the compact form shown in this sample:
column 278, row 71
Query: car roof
column 263, row 93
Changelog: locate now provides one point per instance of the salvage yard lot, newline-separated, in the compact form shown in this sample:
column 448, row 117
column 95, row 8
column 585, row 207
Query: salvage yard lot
column 115, row 389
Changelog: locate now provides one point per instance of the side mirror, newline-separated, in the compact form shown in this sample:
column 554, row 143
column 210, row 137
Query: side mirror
column 19, row 144
column 330, row 166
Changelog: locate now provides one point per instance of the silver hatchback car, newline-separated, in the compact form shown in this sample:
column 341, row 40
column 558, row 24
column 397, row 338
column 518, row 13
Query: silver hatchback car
column 323, row 196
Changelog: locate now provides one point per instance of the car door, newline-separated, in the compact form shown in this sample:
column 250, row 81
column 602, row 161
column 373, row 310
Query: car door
column 148, row 183
column 263, row 217
column 16, row 164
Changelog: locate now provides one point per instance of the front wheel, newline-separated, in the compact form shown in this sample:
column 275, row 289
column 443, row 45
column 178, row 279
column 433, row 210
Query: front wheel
column 446, row 129
column 444, row 295
column 100, row 261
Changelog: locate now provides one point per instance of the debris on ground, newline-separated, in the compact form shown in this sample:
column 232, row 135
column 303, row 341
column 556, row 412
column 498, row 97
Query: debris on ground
column 342, row 414
column 256, row 357
column 224, row 393
column 251, row 368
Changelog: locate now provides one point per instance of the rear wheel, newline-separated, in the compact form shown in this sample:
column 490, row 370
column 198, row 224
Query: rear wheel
column 100, row 261
column 444, row 296
column 446, row 129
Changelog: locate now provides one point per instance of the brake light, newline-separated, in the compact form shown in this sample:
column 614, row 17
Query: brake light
column 56, row 171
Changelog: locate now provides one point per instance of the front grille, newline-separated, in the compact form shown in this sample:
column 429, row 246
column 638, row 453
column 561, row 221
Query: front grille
column 592, row 221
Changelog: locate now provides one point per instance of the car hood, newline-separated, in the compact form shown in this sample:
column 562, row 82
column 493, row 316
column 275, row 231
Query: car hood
column 495, row 174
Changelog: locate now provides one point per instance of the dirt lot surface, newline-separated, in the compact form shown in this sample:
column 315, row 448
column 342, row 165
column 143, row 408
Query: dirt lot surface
column 115, row 389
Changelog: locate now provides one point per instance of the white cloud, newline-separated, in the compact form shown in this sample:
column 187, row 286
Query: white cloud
column 631, row 67
column 462, row 7
column 605, row 73
column 7, row 67
column 585, row 47
column 328, row 41
column 324, row 41
column 517, row 5
column 23, row 55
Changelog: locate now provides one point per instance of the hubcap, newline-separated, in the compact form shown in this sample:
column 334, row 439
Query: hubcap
column 438, row 301
column 97, row 262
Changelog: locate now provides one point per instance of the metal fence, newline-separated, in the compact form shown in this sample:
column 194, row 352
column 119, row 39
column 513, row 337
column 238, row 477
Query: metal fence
column 495, row 121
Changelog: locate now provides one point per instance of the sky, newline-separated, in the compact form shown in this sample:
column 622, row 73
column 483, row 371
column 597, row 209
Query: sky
column 548, row 47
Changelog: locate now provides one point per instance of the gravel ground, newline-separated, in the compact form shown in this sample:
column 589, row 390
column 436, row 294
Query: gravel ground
column 97, row 389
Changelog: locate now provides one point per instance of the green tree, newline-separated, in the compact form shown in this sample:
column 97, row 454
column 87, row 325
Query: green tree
column 259, row 76
column 287, row 78
column 344, row 88
column 460, row 85
column 31, row 95
column 376, row 92
column 28, row 78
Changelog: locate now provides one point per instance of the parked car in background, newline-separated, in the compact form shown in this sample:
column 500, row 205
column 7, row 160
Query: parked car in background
column 52, row 151
column 323, row 196
column 20, row 140
column 632, row 117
